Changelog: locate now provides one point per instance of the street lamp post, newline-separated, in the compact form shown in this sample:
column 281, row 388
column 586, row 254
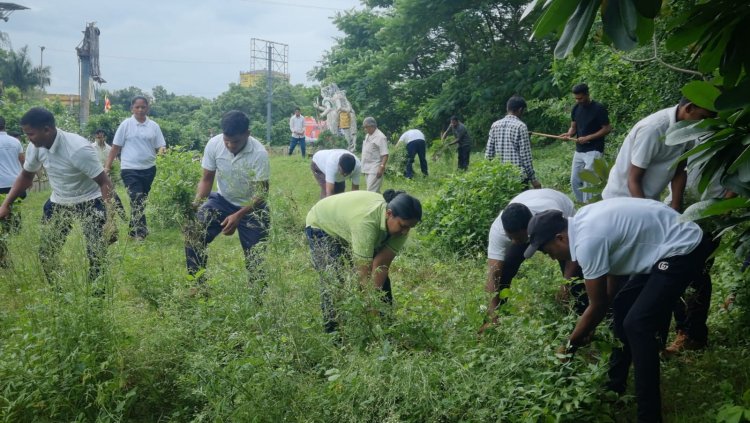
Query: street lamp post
column 41, row 67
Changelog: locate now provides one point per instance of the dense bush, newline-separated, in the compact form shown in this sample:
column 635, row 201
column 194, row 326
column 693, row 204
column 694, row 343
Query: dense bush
column 173, row 190
column 460, row 216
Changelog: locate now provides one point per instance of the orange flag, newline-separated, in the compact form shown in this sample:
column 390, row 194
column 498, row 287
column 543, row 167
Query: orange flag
column 107, row 104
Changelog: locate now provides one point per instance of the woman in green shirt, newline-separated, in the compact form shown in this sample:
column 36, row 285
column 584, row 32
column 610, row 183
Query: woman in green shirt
column 367, row 227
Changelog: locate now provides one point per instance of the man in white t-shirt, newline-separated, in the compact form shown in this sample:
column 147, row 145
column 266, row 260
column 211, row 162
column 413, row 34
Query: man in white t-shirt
column 645, row 164
column 11, row 160
column 136, row 141
column 374, row 155
column 331, row 168
column 81, row 190
column 415, row 146
column 297, row 128
column 239, row 164
column 100, row 145
column 621, row 237
column 508, row 241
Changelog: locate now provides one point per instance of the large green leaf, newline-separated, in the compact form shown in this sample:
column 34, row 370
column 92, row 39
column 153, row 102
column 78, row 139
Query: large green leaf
column 696, row 211
column 726, row 206
column 734, row 98
column 554, row 16
column 684, row 36
column 648, row 8
column 701, row 93
column 577, row 28
column 683, row 132
column 644, row 30
column 589, row 177
column 742, row 162
column 620, row 21
column 601, row 168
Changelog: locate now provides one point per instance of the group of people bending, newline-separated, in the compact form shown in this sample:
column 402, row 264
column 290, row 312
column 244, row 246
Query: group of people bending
column 634, row 254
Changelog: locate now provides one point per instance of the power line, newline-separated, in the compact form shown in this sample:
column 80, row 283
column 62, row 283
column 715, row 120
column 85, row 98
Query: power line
column 168, row 60
column 306, row 6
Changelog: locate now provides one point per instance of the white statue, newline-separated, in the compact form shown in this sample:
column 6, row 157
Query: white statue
column 340, row 117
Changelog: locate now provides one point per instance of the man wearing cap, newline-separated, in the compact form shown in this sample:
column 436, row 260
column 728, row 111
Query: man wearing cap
column 617, row 238
column 508, row 241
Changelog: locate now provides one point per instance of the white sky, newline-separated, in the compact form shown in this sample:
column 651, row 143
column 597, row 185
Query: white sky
column 187, row 46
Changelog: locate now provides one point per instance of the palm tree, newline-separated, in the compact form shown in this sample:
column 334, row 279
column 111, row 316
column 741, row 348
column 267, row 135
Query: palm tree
column 16, row 70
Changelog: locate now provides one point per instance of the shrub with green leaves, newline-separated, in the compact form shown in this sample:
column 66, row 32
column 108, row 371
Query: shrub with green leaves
column 397, row 157
column 173, row 190
column 459, row 218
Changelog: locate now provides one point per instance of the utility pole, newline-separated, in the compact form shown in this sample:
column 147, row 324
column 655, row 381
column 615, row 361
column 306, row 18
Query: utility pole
column 269, row 97
column 41, row 67
column 88, row 57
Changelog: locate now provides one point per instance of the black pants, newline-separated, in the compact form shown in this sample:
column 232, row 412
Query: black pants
column 642, row 311
column 463, row 156
column 57, row 222
column 512, row 262
column 138, row 183
column 691, row 311
column 331, row 258
column 416, row 148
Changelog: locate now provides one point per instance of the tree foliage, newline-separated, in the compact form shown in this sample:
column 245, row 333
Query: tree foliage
column 713, row 32
column 16, row 70
column 417, row 62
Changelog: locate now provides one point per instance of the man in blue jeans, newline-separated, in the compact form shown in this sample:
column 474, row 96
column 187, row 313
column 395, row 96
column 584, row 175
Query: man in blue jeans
column 297, row 128
column 240, row 165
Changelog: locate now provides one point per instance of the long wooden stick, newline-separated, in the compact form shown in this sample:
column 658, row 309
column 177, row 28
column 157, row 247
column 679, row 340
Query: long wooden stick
column 557, row 137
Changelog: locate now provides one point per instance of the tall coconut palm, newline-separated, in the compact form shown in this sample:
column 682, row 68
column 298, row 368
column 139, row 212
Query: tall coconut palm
column 16, row 70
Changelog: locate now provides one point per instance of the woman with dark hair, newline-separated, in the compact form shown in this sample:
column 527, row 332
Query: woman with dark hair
column 365, row 226
column 137, row 141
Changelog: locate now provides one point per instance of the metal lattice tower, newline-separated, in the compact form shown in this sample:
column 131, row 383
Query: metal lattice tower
column 274, row 59
column 279, row 57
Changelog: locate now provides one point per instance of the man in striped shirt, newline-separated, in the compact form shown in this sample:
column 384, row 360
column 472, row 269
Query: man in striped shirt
column 509, row 140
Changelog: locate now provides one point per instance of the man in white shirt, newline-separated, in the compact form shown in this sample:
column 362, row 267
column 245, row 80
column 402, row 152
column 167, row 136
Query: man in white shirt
column 331, row 168
column 100, row 145
column 81, row 190
column 644, row 164
column 297, row 128
column 11, row 160
column 508, row 241
column 415, row 146
column 240, row 165
column 621, row 237
column 137, row 141
column 374, row 155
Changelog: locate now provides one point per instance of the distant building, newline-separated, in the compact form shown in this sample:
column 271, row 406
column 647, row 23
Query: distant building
column 67, row 100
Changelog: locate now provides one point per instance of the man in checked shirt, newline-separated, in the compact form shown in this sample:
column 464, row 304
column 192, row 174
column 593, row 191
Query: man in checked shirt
column 509, row 140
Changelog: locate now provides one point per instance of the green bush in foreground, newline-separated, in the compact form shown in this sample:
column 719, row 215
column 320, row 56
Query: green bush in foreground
column 460, row 215
column 173, row 189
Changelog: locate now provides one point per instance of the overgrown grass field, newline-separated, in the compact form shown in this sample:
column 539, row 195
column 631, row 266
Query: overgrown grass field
column 149, row 351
